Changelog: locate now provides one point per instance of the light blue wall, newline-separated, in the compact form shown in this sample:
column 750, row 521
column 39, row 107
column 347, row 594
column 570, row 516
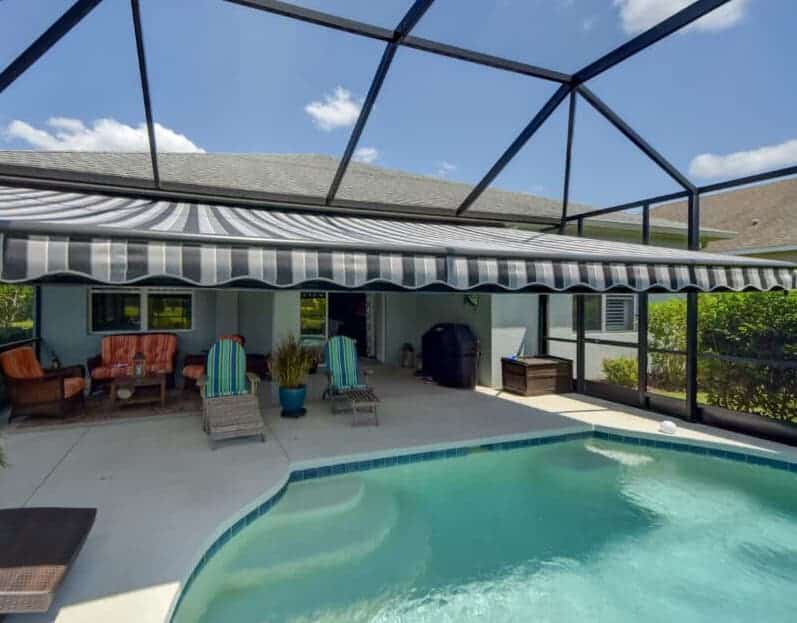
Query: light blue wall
column 399, row 325
column 451, row 307
column 65, row 325
column 514, row 328
column 226, row 312
column 255, row 317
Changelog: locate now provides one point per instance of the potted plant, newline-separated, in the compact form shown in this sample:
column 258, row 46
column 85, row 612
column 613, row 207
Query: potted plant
column 292, row 363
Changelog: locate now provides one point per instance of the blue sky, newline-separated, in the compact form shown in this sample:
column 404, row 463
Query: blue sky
column 714, row 99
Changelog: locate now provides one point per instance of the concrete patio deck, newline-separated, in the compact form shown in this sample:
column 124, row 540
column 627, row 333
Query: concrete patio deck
column 162, row 494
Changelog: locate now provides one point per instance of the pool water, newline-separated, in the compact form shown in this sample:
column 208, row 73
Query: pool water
column 585, row 530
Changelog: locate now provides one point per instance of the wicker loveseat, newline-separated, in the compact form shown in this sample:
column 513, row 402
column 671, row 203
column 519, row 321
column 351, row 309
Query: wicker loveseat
column 36, row 391
column 117, row 352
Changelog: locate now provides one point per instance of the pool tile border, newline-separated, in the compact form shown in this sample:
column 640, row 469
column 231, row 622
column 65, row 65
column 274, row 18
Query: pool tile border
column 349, row 467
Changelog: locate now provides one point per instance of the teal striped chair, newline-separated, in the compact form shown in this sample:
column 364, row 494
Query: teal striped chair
column 230, row 406
column 346, row 388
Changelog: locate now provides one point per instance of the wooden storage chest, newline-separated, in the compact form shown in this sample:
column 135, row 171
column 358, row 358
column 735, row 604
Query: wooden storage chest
column 533, row 376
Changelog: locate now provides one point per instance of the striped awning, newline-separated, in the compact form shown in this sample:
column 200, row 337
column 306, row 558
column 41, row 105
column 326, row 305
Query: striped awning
column 69, row 236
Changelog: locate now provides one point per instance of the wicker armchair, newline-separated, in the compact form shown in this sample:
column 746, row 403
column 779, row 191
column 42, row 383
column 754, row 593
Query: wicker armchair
column 36, row 391
column 230, row 406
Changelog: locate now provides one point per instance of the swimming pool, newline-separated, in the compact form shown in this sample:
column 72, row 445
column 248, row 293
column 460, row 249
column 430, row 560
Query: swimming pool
column 584, row 530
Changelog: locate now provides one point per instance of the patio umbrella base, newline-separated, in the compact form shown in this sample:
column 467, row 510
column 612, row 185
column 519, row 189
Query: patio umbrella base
column 294, row 414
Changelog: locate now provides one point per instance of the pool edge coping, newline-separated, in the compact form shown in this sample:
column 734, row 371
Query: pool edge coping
column 312, row 469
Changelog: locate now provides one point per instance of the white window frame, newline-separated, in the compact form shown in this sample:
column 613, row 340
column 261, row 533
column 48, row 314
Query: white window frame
column 143, row 294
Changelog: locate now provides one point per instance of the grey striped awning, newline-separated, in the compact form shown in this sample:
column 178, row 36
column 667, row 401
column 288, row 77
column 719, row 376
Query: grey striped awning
column 68, row 236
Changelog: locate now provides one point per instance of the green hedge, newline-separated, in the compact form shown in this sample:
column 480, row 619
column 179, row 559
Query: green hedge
column 747, row 325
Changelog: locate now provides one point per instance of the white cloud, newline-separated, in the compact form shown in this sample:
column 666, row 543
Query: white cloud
column 365, row 154
column 742, row 163
column 67, row 134
column 338, row 110
column 444, row 168
column 638, row 15
column 588, row 24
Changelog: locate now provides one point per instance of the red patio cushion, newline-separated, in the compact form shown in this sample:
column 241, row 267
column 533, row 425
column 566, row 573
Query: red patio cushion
column 116, row 349
column 21, row 363
column 159, row 349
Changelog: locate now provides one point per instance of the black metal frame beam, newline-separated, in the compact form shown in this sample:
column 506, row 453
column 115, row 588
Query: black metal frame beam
column 642, row 323
column 635, row 138
column 48, row 39
column 748, row 179
column 135, row 9
column 571, row 125
column 672, row 24
column 683, row 194
column 546, row 111
column 408, row 22
column 363, row 29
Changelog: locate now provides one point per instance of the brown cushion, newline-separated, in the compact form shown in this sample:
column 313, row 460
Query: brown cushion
column 37, row 547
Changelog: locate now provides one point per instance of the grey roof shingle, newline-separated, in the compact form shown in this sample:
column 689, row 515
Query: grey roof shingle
column 763, row 216
column 310, row 175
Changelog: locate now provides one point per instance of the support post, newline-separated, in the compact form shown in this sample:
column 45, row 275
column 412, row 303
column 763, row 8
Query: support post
column 37, row 320
column 642, row 324
column 571, row 123
column 692, row 410
column 542, row 325
column 581, row 345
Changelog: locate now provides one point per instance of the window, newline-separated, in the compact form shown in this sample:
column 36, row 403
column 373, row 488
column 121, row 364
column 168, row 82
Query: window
column 169, row 311
column 114, row 311
column 313, row 315
column 619, row 313
column 610, row 313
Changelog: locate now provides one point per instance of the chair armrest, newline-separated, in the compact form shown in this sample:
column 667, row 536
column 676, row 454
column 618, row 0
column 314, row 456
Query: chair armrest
column 34, row 391
column 254, row 382
column 70, row 371
column 200, row 382
column 194, row 360
column 93, row 362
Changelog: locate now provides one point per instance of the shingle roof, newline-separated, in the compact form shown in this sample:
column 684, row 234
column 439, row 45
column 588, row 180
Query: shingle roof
column 763, row 216
column 310, row 175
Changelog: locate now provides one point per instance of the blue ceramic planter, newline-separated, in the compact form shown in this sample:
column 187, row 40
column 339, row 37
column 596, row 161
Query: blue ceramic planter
column 292, row 398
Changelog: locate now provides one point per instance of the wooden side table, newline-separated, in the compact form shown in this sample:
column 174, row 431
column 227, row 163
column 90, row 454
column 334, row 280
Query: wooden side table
column 150, row 389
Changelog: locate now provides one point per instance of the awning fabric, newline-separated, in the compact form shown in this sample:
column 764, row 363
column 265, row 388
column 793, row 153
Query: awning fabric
column 54, row 235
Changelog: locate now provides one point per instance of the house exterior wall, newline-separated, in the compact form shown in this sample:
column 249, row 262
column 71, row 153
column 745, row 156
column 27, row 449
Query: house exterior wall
column 451, row 307
column 285, row 318
column 65, row 325
column 514, row 328
column 255, row 319
column 504, row 323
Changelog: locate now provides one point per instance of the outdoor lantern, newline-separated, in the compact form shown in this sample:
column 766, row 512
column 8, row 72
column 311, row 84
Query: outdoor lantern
column 138, row 364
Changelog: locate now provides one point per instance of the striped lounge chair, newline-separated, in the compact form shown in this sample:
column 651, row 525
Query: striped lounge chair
column 345, row 388
column 230, row 406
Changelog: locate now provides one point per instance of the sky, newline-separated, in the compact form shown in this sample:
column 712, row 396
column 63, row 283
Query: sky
column 713, row 99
